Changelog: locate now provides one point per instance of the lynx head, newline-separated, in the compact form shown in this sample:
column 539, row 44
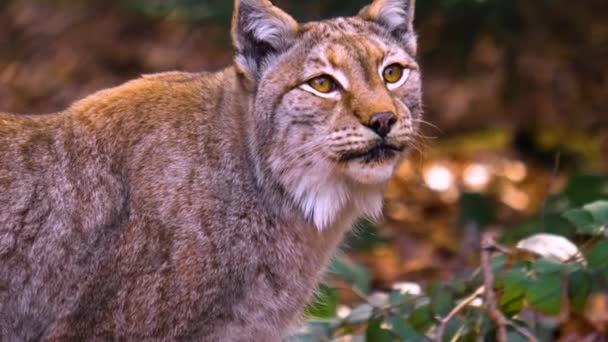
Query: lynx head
column 336, row 102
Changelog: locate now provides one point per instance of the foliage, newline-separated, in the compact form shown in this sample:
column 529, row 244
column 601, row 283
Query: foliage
column 464, row 19
column 543, row 285
column 190, row 10
column 221, row 11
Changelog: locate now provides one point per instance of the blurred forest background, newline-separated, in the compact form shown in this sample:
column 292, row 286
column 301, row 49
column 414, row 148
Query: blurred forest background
column 516, row 96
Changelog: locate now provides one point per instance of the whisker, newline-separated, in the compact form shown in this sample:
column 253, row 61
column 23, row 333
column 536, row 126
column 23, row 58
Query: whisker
column 424, row 136
column 439, row 130
column 300, row 151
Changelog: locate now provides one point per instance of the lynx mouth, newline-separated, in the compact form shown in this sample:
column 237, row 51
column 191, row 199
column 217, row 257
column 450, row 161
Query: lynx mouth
column 380, row 152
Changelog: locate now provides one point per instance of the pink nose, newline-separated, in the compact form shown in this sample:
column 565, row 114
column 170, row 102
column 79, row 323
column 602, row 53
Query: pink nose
column 382, row 123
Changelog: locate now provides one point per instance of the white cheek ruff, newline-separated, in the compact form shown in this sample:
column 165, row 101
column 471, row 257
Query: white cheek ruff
column 324, row 203
column 320, row 195
column 323, row 197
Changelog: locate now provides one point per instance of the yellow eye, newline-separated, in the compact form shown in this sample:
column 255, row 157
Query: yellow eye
column 393, row 73
column 324, row 84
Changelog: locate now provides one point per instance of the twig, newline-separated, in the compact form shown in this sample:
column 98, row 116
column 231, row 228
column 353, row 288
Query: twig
column 380, row 310
column 463, row 304
column 487, row 243
column 523, row 331
column 360, row 294
column 502, row 249
column 390, row 309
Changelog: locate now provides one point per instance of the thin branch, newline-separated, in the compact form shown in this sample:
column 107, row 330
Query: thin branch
column 390, row 309
column 360, row 294
column 384, row 309
column 523, row 332
column 463, row 304
column 502, row 249
column 487, row 243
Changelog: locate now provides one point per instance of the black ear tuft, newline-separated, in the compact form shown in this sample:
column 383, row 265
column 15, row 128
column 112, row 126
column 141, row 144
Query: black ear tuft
column 260, row 31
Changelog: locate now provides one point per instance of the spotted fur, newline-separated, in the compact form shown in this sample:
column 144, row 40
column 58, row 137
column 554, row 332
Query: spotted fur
column 203, row 206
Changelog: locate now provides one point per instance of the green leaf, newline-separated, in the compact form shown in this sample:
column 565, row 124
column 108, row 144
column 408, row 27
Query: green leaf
column 313, row 332
column 592, row 219
column 513, row 285
column 544, row 293
column 325, row 305
column 356, row 275
column 378, row 299
column 377, row 333
column 360, row 314
column 582, row 220
column 497, row 263
column 405, row 302
column 421, row 319
column 485, row 326
column 458, row 288
column 580, row 285
column 442, row 301
column 397, row 297
column 514, row 336
column 404, row 330
column 546, row 265
column 599, row 211
column 453, row 328
column 598, row 257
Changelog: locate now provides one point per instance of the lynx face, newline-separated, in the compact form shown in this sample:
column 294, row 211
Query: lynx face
column 337, row 104
column 352, row 101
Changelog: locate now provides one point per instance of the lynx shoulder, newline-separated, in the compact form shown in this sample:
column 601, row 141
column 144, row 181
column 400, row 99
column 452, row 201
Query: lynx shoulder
column 206, row 206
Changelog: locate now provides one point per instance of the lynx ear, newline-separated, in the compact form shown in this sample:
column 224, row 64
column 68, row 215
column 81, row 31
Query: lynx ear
column 397, row 16
column 260, row 31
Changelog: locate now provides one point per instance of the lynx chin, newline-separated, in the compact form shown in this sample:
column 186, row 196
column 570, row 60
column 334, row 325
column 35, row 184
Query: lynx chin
column 205, row 206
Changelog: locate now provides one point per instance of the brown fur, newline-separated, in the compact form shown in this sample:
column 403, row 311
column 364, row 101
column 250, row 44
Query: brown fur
column 199, row 206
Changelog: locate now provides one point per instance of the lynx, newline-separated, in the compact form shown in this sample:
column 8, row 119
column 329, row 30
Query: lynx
column 206, row 206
